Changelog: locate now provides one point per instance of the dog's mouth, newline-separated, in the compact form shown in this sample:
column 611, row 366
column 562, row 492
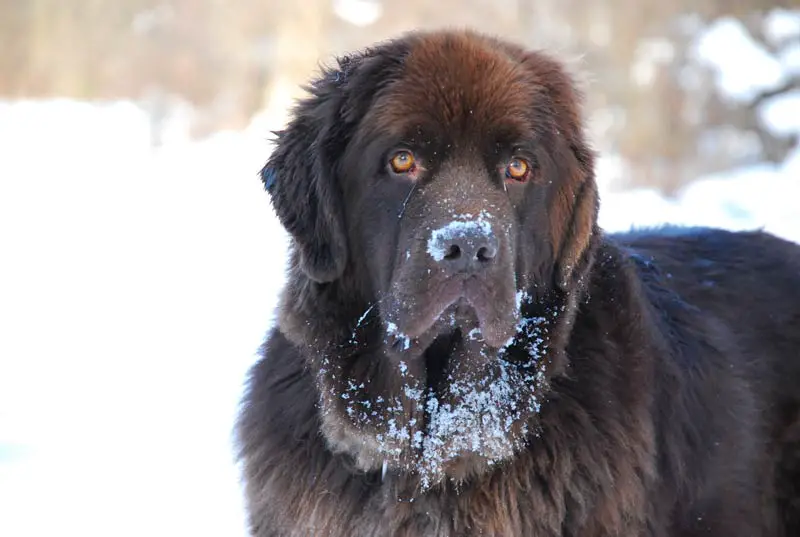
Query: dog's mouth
column 465, row 306
column 437, row 360
column 447, row 403
column 433, row 348
column 471, row 404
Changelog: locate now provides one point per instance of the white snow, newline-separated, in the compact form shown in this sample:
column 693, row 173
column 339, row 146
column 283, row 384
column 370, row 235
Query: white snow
column 790, row 58
column 392, row 330
column 743, row 67
column 781, row 113
column 136, row 285
column 758, row 196
column 782, row 25
column 462, row 223
column 358, row 12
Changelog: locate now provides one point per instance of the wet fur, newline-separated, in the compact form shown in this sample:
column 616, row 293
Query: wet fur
column 670, row 404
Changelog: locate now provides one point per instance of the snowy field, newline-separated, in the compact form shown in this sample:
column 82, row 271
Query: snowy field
column 136, row 285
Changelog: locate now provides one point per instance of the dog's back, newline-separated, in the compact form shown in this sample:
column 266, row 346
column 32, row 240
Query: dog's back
column 749, row 283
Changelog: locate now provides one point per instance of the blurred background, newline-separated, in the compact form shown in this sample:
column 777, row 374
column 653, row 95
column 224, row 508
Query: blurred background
column 139, row 256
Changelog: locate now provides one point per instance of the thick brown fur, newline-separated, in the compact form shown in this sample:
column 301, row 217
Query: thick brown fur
column 573, row 384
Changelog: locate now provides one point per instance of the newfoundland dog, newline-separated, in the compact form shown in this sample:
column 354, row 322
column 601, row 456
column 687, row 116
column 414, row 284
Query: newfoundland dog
column 460, row 349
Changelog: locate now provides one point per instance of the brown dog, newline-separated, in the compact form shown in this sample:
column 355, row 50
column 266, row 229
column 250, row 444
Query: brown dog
column 461, row 351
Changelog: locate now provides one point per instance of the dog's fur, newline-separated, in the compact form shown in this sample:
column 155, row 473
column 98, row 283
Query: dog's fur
column 584, row 384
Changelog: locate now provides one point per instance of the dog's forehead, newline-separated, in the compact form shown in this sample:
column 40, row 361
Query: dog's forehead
column 458, row 84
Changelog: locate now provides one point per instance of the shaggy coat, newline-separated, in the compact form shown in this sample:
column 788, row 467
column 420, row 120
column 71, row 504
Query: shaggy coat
column 462, row 351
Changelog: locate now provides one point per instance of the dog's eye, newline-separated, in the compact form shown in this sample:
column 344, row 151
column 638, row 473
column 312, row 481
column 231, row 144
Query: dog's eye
column 518, row 170
column 402, row 162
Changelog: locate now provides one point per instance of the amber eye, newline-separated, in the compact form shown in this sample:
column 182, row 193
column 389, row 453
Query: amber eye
column 402, row 162
column 518, row 170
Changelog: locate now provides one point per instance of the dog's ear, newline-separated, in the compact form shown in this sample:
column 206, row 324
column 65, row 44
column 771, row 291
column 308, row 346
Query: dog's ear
column 574, row 204
column 577, row 204
column 301, row 174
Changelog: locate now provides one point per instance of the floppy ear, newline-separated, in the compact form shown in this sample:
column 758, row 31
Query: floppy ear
column 573, row 213
column 300, row 177
column 578, row 204
column 302, row 172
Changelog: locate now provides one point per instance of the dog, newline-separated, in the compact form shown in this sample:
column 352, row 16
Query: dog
column 461, row 350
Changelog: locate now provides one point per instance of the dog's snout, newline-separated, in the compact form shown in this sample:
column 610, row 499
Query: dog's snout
column 466, row 250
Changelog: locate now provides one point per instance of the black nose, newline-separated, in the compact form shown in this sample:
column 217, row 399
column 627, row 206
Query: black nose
column 464, row 249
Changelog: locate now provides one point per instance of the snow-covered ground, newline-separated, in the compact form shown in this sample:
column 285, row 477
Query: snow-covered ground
column 135, row 288
column 136, row 285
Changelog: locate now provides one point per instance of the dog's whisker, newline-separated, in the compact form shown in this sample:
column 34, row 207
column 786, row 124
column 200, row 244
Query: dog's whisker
column 405, row 201
column 362, row 320
column 364, row 315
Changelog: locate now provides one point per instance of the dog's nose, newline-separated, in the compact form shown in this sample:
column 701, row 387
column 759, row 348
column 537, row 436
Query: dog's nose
column 465, row 249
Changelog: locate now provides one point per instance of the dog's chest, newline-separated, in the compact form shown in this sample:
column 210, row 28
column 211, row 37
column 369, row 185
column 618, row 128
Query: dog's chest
column 390, row 513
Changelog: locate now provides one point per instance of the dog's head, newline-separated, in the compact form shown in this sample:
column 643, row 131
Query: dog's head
column 441, row 200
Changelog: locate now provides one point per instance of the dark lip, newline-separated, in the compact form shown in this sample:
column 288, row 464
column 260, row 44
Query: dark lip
column 448, row 294
column 463, row 292
column 494, row 331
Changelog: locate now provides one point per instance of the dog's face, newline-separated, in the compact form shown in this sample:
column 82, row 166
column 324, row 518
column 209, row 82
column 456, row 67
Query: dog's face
column 441, row 200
